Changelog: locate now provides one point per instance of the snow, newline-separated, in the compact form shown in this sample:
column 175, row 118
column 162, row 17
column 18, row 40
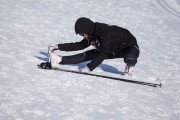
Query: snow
column 28, row 93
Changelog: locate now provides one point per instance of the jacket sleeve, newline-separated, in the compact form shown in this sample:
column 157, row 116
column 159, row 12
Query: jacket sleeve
column 104, row 51
column 74, row 46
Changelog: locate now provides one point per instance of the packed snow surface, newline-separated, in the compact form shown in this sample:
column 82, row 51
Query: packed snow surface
column 29, row 93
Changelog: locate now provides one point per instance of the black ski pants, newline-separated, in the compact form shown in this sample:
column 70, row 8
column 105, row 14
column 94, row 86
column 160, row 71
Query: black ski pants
column 130, row 56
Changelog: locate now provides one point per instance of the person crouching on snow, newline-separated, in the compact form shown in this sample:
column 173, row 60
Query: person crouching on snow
column 110, row 42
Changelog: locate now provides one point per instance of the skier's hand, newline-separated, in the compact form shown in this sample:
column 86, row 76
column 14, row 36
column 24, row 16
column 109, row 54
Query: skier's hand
column 84, row 70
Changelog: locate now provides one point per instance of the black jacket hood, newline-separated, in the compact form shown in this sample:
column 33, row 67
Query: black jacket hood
column 84, row 25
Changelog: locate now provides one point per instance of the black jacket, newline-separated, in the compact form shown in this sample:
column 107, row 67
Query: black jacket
column 111, row 39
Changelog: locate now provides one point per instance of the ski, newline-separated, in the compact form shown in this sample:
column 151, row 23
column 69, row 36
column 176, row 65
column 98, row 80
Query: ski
column 103, row 76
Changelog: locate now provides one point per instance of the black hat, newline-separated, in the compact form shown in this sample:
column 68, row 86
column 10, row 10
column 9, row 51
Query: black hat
column 84, row 25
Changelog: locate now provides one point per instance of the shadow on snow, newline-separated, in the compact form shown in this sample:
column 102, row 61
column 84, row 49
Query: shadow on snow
column 104, row 67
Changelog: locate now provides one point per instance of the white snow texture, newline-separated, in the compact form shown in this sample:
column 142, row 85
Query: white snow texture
column 29, row 93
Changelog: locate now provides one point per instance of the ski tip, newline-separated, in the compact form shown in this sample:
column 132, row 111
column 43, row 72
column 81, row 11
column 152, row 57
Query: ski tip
column 45, row 65
column 39, row 66
column 158, row 85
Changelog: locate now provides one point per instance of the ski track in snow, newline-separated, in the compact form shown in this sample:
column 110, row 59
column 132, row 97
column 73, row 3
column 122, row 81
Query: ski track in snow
column 167, row 5
column 28, row 93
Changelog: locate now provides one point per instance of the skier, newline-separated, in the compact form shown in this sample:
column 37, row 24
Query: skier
column 110, row 42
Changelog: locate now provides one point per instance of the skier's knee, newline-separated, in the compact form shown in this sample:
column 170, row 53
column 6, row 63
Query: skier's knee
column 130, row 61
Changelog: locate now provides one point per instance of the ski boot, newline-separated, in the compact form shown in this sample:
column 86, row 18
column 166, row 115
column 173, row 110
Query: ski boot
column 54, row 59
column 128, row 70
